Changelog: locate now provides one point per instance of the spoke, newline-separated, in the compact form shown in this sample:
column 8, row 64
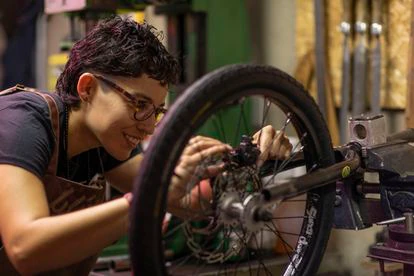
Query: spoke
column 285, row 233
column 220, row 120
column 284, row 243
column 176, row 228
column 282, row 130
column 277, row 232
column 287, row 122
column 295, row 151
column 216, row 121
column 181, row 261
column 236, row 133
column 246, row 125
column 248, row 253
column 260, row 259
column 265, row 112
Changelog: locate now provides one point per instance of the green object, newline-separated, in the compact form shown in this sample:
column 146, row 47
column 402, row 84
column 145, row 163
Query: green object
column 228, row 41
column 117, row 249
column 175, row 242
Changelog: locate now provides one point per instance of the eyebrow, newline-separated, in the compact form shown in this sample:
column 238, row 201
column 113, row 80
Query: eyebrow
column 135, row 93
column 146, row 98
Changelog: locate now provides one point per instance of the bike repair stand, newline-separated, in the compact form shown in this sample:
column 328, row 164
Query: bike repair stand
column 399, row 246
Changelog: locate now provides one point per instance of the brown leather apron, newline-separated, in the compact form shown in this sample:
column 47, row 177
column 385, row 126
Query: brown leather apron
column 63, row 195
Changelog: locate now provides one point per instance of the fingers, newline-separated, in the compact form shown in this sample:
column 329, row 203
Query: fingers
column 200, row 148
column 200, row 143
column 264, row 139
column 285, row 148
column 281, row 147
column 272, row 144
column 212, row 171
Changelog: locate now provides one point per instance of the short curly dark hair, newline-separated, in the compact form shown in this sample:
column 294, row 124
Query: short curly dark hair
column 120, row 47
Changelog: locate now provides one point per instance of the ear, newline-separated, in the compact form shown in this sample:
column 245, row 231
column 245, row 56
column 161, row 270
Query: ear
column 86, row 86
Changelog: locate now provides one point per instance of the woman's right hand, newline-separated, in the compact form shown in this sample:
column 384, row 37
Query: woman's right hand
column 197, row 150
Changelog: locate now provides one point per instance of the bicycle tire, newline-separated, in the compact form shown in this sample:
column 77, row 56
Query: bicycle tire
column 192, row 109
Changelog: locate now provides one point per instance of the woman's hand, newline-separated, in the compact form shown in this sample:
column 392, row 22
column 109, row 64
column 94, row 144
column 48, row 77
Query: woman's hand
column 272, row 144
column 182, row 195
column 185, row 199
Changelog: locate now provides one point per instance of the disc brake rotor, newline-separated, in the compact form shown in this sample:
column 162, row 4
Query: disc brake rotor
column 221, row 237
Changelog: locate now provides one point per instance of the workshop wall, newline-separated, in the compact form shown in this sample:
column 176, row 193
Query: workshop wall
column 394, row 40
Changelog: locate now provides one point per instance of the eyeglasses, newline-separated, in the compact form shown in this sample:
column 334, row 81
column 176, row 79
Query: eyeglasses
column 143, row 108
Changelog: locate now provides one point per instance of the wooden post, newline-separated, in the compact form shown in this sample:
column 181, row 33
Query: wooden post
column 409, row 111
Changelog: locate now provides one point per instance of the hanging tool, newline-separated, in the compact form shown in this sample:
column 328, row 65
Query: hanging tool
column 323, row 79
column 360, row 58
column 376, row 29
column 346, row 69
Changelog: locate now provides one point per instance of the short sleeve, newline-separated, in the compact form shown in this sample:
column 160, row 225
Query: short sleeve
column 26, row 137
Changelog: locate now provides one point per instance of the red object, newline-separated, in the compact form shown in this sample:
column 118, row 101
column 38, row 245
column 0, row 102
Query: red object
column 128, row 197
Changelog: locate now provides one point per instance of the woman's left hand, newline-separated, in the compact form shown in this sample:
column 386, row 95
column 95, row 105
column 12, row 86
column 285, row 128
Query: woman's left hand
column 272, row 144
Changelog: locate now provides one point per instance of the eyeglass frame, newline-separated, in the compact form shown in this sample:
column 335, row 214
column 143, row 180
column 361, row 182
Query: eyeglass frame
column 133, row 100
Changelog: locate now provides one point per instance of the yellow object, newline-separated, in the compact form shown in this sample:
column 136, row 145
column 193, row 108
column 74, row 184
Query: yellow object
column 138, row 16
column 346, row 171
column 56, row 64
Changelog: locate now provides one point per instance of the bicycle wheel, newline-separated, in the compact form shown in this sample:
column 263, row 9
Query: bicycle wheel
column 299, row 227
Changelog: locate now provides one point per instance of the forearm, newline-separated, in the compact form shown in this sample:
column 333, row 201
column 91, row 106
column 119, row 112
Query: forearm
column 53, row 242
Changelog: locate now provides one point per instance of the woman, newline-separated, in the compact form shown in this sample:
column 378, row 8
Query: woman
column 109, row 96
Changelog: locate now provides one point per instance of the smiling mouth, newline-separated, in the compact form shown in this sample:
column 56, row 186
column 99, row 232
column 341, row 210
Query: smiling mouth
column 132, row 140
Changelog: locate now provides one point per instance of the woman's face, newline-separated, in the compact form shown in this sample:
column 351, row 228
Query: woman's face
column 111, row 114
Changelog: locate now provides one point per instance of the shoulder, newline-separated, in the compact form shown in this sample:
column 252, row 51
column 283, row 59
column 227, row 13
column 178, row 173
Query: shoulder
column 28, row 108
column 26, row 134
column 28, row 101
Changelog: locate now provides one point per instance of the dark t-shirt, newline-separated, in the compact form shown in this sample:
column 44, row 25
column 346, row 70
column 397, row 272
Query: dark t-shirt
column 26, row 139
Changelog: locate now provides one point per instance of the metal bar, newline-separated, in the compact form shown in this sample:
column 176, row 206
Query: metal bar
column 288, row 188
column 346, row 70
column 376, row 29
column 391, row 221
column 359, row 72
